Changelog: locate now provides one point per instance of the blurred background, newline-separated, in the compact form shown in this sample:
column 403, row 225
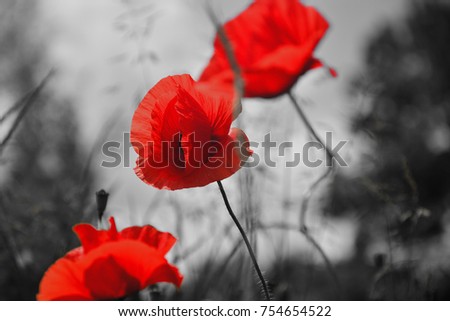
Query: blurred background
column 72, row 73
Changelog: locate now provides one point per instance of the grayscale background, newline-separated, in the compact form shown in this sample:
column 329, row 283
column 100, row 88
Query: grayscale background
column 382, row 222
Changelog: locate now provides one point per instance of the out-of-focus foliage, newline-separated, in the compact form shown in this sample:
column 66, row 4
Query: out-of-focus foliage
column 401, row 195
column 46, row 187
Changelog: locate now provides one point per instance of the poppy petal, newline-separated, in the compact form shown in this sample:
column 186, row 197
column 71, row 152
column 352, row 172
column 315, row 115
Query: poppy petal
column 161, row 241
column 116, row 264
column 134, row 265
column 273, row 42
column 198, row 122
column 106, row 279
column 91, row 238
column 63, row 281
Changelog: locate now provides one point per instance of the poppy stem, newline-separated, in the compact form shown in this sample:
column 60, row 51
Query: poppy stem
column 246, row 241
column 308, row 124
column 310, row 191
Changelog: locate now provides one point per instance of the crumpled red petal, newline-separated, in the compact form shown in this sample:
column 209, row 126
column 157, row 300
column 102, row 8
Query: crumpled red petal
column 186, row 136
column 273, row 42
column 91, row 238
column 110, row 264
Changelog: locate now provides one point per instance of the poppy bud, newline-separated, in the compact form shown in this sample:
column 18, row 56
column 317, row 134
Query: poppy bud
column 102, row 200
column 379, row 260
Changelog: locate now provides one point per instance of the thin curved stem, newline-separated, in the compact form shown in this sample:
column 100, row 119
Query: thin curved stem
column 310, row 191
column 329, row 170
column 27, row 103
column 327, row 261
column 231, row 57
column 308, row 194
column 246, row 241
column 309, row 126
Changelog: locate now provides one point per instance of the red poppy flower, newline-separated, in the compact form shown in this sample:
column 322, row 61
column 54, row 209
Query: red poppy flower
column 181, row 132
column 273, row 42
column 110, row 264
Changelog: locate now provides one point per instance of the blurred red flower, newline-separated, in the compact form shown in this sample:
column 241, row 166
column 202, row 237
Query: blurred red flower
column 181, row 132
column 110, row 264
column 273, row 42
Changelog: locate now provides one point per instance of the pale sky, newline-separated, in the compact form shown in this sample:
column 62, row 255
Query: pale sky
column 87, row 45
column 101, row 49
